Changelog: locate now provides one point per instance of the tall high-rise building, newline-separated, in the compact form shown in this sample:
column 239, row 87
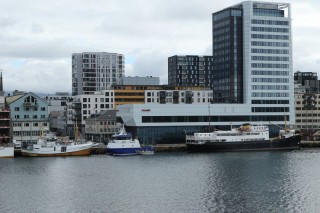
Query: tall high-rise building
column 190, row 70
column 253, row 55
column 95, row 71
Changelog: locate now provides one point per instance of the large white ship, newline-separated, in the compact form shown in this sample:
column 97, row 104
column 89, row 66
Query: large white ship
column 245, row 138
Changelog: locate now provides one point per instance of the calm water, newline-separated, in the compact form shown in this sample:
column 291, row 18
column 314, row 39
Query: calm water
column 164, row 182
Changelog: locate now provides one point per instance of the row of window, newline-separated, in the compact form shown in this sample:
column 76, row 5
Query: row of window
column 270, row 44
column 271, row 80
column 269, row 94
column 265, row 72
column 35, row 124
column 269, row 58
column 277, row 37
column 28, row 117
column 270, row 109
column 268, row 12
column 180, row 119
column 270, row 51
column 270, row 101
column 221, row 24
column 270, row 87
column 269, row 22
column 264, row 65
column 270, row 29
column 17, row 109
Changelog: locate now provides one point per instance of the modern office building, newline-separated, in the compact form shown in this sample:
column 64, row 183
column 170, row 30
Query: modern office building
column 190, row 70
column 95, row 71
column 253, row 55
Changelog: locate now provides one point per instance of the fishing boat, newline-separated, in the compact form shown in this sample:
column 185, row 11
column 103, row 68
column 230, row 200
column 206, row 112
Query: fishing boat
column 6, row 150
column 48, row 145
column 245, row 138
column 122, row 143
column 146, row 150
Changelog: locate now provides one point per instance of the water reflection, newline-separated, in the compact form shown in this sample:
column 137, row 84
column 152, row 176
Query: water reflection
column 165, row 182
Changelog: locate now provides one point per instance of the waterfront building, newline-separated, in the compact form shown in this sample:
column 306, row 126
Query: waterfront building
column 29, row 115
column 253, row 54
column 307, row 110
column 190, row 70
column 168, row 123
column 252, row 78
column 82, row 106
column 149, row 80
column 101, row 126
column 5, row 121
column 96, row 71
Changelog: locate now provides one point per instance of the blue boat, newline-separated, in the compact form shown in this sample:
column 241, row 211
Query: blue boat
column 123, row 144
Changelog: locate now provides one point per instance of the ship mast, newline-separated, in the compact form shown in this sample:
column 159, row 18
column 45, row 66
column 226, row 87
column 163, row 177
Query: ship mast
column 76, row 133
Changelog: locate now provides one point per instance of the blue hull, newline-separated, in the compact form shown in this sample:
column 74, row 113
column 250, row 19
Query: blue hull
column 123, row 151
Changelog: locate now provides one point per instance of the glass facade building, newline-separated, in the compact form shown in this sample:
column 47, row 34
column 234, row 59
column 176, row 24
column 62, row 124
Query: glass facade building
column 253, row 55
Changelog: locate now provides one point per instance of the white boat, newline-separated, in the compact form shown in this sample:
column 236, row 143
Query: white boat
column 123, row 144
column 48, row 145
column 245, row 138
column 6, row 150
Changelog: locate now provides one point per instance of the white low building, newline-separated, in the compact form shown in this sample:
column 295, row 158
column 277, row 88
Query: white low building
column 167, row 123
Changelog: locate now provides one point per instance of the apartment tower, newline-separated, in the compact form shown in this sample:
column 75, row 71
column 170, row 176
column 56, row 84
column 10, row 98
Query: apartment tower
column 96, row 71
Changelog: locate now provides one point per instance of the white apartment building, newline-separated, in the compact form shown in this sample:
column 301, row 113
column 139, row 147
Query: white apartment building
column 96, row 71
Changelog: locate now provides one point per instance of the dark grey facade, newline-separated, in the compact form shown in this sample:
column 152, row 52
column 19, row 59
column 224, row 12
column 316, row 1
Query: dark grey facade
column 309, row 80
column 228, row 55
column 190, row 70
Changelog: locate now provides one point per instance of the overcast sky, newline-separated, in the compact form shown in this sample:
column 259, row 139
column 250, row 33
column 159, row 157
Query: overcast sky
column 38, row 37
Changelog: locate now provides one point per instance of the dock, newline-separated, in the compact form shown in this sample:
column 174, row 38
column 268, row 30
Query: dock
column 310, row 144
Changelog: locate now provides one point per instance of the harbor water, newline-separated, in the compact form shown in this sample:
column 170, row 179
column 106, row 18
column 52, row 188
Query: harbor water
column 279, row 181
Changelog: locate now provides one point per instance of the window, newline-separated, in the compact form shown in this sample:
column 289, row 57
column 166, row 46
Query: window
column 43, row 116
column 43, row 109
column 16, row 109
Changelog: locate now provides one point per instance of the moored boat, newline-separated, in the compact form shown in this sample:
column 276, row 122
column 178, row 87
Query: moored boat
column 6, row 150
column 245, row 138
column 122, row 143
column 48, row 145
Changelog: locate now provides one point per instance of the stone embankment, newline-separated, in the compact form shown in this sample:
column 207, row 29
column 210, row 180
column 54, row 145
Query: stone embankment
column 309, row 144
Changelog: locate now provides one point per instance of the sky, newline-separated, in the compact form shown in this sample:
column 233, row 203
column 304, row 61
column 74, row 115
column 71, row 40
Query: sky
column 37, row 38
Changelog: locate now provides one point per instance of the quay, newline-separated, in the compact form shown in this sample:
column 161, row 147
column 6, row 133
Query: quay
column 309, row 144
column 101, row 148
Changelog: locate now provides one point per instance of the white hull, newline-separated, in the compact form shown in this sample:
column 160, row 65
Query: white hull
column 59, row 150
column 6, row 152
